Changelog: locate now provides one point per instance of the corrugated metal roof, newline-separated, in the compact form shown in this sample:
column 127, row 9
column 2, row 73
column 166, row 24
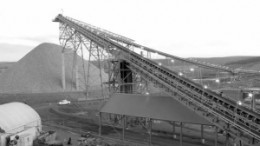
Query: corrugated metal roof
column 15, row 115
column 153, row 106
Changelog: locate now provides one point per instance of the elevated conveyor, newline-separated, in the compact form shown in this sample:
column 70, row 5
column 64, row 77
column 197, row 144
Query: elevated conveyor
column 237, row 121
column 129, row 42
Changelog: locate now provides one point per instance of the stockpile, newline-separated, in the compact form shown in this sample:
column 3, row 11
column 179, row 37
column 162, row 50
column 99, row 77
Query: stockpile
column 40, row 71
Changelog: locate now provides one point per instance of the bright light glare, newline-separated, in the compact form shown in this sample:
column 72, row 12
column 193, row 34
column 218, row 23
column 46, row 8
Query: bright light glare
column 192, row 69
column 217, row 80
column 159, row 63
column 205, row 86
column 239, row 102
column 173, row 61
column 250, row 94
column 147, row 93
column 180, row 74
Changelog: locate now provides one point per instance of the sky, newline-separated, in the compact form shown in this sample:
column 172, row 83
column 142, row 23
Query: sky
column 185, row 28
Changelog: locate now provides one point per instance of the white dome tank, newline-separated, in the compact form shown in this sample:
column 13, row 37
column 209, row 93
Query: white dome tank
column 16, row 116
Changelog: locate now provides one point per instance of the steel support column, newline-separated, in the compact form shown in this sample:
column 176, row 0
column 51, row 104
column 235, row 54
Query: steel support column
column 216, row 136
column 150, row 131
column 202, row 134
column 123, row 127
column 173, row 130
column 181, row 134
column 100, row 124
column 240, row 143
column 63, row 71
column 76, row 70
column 227, row 136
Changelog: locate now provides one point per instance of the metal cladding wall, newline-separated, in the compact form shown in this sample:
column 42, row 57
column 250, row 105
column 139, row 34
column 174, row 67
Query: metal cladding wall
column 16, row 117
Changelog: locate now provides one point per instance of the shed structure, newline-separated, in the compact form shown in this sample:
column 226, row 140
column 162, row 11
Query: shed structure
column 152, row 107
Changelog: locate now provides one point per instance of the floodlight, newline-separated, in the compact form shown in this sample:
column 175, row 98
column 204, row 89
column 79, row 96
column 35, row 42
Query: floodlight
column 239, row 102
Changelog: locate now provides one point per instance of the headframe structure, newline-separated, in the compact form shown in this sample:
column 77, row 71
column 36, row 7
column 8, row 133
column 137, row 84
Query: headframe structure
column 238, row 122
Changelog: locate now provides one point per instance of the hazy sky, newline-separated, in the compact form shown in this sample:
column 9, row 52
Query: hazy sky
column 186, row 28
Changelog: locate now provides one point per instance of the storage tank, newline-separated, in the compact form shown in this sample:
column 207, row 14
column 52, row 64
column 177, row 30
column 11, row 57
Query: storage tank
column 19, row 123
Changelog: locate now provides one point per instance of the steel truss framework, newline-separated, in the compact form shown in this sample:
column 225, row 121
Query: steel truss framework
column 239, row 122
column 74, row 42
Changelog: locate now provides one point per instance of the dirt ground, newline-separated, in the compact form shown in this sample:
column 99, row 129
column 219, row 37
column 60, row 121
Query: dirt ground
column 87, row 120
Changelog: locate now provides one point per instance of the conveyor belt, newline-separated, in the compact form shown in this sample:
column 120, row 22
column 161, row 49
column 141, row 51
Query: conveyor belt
column 236, row 120
column 130, row 42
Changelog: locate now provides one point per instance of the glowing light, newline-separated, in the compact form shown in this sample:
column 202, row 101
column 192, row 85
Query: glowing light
column 147, row 93
column 159, row 63
column 140, row 84
column 250, row 94
column 205, row 87
column 180, row 73
column 174, row 136
column 239, row 102
column 172, row 61
column 192, row 69
column 217, row 80
column 203, row 141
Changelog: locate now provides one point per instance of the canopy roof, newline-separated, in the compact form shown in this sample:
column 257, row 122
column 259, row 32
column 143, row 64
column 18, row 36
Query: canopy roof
column 153, row 106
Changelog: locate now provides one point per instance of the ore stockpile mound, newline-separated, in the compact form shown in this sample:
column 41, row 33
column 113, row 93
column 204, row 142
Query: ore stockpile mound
column 40, row 72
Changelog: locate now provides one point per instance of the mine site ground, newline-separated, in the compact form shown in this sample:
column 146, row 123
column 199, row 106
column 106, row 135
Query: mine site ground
column 65, row 120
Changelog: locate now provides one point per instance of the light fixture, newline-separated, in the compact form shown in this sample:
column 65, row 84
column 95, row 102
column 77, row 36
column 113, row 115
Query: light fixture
column 172, row 61
column 239, row 102
column 180, row 73
column 205, row 87
column 159, row 63
column 217, row 80
column 250, row 94
column 192, row 69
